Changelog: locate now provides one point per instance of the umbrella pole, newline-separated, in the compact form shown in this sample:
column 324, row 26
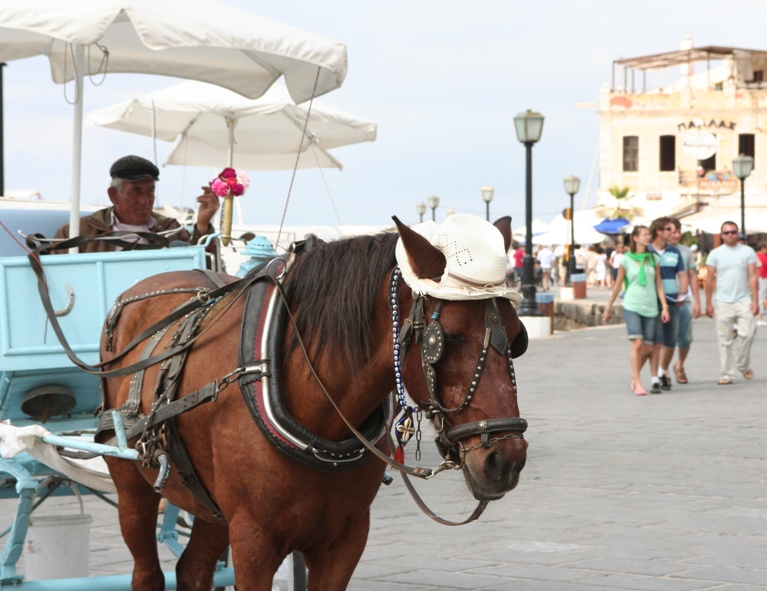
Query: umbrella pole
column 77, row 147
column 226, row 213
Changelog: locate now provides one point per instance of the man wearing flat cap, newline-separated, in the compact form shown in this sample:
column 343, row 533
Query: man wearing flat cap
column 132, row 195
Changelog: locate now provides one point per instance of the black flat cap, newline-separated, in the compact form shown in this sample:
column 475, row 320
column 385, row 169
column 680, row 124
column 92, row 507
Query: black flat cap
column 134, row 168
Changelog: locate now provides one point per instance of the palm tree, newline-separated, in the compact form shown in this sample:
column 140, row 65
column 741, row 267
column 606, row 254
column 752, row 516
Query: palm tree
column 619, row 206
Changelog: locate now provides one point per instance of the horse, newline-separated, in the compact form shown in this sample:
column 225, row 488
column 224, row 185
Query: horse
column 262, row 501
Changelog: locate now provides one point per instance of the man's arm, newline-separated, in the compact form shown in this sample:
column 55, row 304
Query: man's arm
column 209, row 205
column 692, row 275
column 753, row 283
column 710, row 284
column 683, row 284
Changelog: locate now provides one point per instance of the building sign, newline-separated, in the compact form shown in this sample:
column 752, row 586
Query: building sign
column 698, row 144
column 698, row 123
column 723, row 183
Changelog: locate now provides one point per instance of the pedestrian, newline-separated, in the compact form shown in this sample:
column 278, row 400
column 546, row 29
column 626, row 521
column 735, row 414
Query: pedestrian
column 546, row 259
column 731, row 275
column 761, row 256
column 690, row 310
column 675, row 282
column 591, row 267
column 601, row 268
column 519, row 261
column 639, row 274
column 615, row 261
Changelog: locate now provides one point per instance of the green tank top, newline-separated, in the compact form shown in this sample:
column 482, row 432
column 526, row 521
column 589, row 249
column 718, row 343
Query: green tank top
column 642, row 299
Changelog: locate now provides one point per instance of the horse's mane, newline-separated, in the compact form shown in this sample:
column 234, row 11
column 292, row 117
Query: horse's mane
column 333, row 289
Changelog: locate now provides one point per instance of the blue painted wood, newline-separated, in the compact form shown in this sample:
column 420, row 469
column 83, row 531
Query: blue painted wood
column 30, row 354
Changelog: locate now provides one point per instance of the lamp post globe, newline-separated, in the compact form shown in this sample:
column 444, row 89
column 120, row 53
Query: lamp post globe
column 572, row 184
column 487, row 197
column 433, row 202
column 742, row 167
column 529, row 126
column 420, row 209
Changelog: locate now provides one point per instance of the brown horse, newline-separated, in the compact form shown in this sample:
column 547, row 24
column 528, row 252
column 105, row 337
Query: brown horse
column 270, row 504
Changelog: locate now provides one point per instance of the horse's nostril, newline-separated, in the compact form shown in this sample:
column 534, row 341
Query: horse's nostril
column 497, row 466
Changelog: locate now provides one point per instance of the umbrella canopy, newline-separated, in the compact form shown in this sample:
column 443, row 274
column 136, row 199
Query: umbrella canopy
column 608, row 226
column 216, row 127
column 559, row 230
column 202, row 40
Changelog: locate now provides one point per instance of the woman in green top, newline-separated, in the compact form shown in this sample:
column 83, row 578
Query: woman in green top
column 643, row 291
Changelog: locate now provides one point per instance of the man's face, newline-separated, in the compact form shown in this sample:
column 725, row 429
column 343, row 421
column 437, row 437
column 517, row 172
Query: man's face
column 133, row 204
column 674, row 237
column 664, row 234
column 730, row 234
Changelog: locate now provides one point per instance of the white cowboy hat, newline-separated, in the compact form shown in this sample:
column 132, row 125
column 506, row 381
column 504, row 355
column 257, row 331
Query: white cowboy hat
column 476, row 260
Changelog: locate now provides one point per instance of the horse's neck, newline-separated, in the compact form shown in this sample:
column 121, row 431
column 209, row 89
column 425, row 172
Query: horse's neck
column 357, row 391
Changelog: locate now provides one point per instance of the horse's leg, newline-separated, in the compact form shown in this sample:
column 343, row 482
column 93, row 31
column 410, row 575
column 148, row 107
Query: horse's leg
column 194, row 570
column 331, row 567
column 254, row 556
column 137, row 510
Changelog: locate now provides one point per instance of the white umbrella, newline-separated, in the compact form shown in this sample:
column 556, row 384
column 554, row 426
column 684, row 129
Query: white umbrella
column 201, row 40
column 216, row 127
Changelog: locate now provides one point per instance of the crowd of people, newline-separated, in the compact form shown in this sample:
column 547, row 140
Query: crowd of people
column 658, row 278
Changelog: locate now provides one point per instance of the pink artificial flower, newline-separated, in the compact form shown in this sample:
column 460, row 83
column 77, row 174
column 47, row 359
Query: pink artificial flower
column 228, row 173
column 244, row 179
column 238, row 190
column 219, row 187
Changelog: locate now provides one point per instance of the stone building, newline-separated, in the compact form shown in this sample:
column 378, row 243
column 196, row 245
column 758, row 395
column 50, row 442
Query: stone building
column 671, row 124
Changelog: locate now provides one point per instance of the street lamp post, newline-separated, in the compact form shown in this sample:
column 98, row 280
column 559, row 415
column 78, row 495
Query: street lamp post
column 420, row 209
column 433, row 202
column 742, row 167
column 572, row 184
column 529, row 126
column 487, row 197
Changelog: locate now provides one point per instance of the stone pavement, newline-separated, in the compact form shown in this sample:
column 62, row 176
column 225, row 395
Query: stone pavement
column 653, row 493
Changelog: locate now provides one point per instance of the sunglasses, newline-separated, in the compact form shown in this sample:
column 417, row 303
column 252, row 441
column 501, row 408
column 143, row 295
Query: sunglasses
column 730, row 232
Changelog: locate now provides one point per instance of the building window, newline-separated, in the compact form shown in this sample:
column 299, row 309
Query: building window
column 758, row 76
column 667, row 153
column 630, row 153
column 747, row 144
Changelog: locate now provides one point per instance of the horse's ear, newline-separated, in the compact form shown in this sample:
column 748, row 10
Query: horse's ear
column 504, row 226
column 520, row 342
column 426, row 261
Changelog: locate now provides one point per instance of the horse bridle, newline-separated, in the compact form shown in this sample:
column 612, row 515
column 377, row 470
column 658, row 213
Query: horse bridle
column 431, row 337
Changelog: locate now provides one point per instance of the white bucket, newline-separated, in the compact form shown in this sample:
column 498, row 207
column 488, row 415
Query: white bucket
column 57, row 547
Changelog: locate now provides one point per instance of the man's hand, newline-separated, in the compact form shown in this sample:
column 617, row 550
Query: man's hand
column 710, row 310
column 755, row 307
column 209, row 204
column 695, row 310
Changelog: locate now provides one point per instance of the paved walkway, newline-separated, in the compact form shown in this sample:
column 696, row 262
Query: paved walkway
column 654, row 493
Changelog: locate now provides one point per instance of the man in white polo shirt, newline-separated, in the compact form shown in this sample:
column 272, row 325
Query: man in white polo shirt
column 731, row 270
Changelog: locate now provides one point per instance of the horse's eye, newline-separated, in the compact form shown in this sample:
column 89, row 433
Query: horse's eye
column 454, row 340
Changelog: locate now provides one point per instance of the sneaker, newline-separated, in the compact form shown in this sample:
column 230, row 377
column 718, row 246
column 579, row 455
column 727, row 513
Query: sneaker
column 655, row 388
column 665, row 382
column 761, row 322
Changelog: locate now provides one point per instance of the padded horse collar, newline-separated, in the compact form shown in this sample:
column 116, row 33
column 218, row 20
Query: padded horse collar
column 261, row 345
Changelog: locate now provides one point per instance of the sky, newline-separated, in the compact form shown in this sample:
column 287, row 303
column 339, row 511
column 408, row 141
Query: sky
column 442, row 79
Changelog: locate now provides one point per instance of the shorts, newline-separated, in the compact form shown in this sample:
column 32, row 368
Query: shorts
column 641, row 327
column 668, row 332
column 684, row 339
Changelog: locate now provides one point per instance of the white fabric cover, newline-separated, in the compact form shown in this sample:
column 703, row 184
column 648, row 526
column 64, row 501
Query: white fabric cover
column 15, row 440
column 268, row 131
column 201, row 40
column 476, row 260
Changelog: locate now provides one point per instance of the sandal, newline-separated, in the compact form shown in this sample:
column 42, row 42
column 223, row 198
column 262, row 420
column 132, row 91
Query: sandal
column 638, row 390
column 748, row 374
column 681, row 377
column 724, row 382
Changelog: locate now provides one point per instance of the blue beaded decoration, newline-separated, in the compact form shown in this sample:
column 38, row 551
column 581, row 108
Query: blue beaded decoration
column 403, row 425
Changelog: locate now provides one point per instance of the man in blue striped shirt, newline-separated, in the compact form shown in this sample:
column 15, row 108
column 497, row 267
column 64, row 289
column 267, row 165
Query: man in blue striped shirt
column 675, row 283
